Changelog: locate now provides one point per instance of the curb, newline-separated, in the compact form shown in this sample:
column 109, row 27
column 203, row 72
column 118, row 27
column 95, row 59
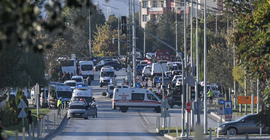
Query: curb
column 216, row 116
column 58, row 127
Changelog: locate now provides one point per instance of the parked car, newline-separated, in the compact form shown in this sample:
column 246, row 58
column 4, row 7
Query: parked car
column 178, row 82
column 245, row 124
column 174, row 80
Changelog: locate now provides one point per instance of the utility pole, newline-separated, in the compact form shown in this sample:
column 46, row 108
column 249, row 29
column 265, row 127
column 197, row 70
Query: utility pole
column 252, row 97
column 130, row 35
column 183, row 70
column 197, row 60
column 191, row 38
column 205, row 73
column 90, row 48
column 144, row 44
column 140, row 14
column 176, row 29
column 134, row 43
column 234, row 83
column 118, row 34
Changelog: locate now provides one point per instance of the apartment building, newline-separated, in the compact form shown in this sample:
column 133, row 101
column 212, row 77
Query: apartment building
column 159, row 7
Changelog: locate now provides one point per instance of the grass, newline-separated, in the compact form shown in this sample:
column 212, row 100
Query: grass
column 12, row 129
column 192, row 133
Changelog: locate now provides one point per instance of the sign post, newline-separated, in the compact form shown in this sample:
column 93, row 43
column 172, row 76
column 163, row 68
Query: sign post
column 188, row 108
column 228, row 110
column 220, row 108
column 22, row 114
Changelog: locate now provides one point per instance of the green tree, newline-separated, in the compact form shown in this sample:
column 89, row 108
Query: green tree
column 151, row 27
column 113, row 22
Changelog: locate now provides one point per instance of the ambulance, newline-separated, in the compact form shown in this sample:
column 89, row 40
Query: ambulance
column 106, row 76
column 59, row 90
column 125, row 98
column 82, row 94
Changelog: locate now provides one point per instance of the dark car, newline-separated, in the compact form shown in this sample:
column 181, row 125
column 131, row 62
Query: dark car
column 245, row 124
column 176, row 72
column 167, row 81
column 115, row 65
column 174, row 98
column 139, row 69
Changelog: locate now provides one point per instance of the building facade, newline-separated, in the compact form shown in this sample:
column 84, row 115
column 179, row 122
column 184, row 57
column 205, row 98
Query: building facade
column 159, row 7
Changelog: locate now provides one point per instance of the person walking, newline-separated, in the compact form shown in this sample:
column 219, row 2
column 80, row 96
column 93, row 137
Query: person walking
column 29, row 120
column 59, row 104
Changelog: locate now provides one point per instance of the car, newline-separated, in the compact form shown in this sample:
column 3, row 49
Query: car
column 71, row 83
column 178, row 82
column 77, row 109
column 168, row 74
column 139, row 69
column 147, row 70
column 245, row 124
column 176, row 72
column 167, row 81
column 174, row 80
column 78, row 79
column 116, row 65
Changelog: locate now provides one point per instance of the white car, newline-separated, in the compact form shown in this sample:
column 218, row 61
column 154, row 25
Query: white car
column 178, row 82
column 147, row 70
column 78, row 79
column 71, row 83
column 174, row 79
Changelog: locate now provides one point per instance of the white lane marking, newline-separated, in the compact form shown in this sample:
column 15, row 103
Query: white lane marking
column 144, row 118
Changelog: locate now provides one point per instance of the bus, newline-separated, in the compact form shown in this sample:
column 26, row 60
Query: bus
column 68, row 65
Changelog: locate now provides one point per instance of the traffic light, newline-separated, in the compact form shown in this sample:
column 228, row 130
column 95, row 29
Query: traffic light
column 123, row 26
column 41, row 89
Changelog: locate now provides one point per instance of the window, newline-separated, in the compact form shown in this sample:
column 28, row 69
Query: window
column 138, row 96
column 87, row 67
column 145, row 18
column 77, row 107
column 64, row 94
column 71, row 84
column 154, row 3
column 145, row 4
column 77, row 79
column 67, row 63
column 151, row 97
column 162, row 3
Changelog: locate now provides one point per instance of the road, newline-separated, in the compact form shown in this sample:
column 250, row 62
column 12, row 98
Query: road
column 113, row 124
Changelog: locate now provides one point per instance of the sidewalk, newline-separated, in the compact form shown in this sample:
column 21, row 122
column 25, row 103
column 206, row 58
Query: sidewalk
column 50, row 124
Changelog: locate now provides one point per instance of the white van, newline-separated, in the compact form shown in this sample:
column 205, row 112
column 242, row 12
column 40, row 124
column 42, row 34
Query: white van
column 156, row 69
column 87, row 69
column 135, row 97
column 82, row 94
column 106, row 76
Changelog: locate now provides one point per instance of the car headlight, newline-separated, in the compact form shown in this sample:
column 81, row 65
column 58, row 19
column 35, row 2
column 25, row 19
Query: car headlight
column 222, row 126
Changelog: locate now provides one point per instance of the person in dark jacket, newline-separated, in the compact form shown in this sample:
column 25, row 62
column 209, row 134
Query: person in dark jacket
column 68, row 76
column 29, row 119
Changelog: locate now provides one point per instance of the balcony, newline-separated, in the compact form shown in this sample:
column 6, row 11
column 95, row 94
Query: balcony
column 155, row 10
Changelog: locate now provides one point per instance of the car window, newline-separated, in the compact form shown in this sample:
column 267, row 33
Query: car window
column 151, row 97
column 137, row 96
column 86, row 67
column 250, row 119
column 77, row 107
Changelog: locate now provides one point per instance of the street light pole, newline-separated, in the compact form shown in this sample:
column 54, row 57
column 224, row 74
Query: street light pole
column 197, row 60
column 176, row 45
column 191, row 38
column 90, row 48
column 205, row 73
column 134, row 43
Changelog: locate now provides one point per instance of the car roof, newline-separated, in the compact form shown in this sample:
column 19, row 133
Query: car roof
column 70, row 81
column 76, row 77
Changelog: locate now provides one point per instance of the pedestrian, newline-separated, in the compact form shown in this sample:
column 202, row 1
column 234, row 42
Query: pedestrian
column 29, row 119
column 68, row 76
column 1, row 128
column 71, row 75
column 59, row 104
column 146, row 78
column 94, row 103
column 143, row 77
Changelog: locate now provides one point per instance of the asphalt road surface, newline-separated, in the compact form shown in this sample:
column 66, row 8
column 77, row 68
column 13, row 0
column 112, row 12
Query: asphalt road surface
column 113, row 124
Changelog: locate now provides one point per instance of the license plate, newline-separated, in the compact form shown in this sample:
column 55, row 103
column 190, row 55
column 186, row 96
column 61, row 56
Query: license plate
column 77, row 114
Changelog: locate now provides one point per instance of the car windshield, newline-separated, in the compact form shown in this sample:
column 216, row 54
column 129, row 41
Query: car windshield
column 71, row 84
column 77, row 79
column 77, row 107
column 64, row 94
column 107, row 74
column 86, row 67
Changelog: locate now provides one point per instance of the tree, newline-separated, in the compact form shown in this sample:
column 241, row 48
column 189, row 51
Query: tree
column 113, row 22
column 102, row 42
column 151, row 27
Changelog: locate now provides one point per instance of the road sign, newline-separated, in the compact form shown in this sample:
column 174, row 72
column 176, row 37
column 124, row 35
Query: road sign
column 188, row 107
column 220, row 102
column 165, row 114
column 228, row 107
column 157, row 81
column 22, row 104
column 144, row 83
column 138, row 85
column 246, row 100
column 138, row 78
column 22, row 114
column 220, row 110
